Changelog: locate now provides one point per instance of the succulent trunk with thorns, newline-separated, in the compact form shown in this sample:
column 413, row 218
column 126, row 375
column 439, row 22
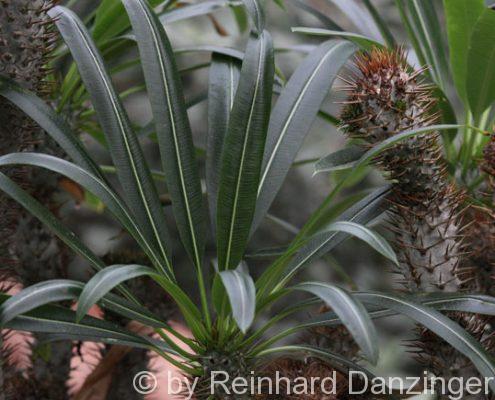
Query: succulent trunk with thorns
column 386, row 97
column 28, row 252
column 27, row 38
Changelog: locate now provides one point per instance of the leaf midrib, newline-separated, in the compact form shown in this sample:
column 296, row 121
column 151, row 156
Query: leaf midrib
column 291, row 116
column 124, row 136
column 241, row 166
column 174, row 135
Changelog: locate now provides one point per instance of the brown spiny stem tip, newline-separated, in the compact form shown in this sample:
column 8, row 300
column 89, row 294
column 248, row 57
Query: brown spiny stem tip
column 385, row 96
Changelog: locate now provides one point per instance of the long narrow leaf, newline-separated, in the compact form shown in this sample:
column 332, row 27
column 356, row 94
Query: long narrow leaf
column 50, row 121
column 243, row 151
column 242, row 295
column 448, row 330
column 256, row 13
column 172, row 126
column 38, row 295
column 104, row 281
column 352, row 313
column 341, row 159
column 364, row 42
column 134, row 174
column 194, row 10
column 58, row 320
column 373, row 239
column 221, row 95
column 90, row 183
column 328, row 22
column 360, row 16
column 321, row 243
column 293, row 116
column 48, row 219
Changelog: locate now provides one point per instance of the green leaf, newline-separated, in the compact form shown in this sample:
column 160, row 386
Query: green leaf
column 352, row 313
column 172, row 126
column 317, row 13
column 319, row 353
column 322, row 242
column 360, row 17
column 58, row 320
column 341, row 159
column 293, row 115
column 194, row 10
column 461, row 18
column 242, row 295
column 131, row 311
column 50, row 121
column 104, row 281
column 480, row 84
column 257, row 15
column 133, row 172
column 426, row 26
column 381, row 24
column 376, row 150
column 364, row 42
column 47, row 218
column 90, row 183
column 111, row 19
column 224, row 78
column 448, row 330
column 37, row 295
column 371, row 238
column 243, row 151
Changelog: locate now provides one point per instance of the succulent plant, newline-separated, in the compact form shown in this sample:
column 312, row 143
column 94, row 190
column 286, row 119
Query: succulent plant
column 386, row 97
column 251, row 148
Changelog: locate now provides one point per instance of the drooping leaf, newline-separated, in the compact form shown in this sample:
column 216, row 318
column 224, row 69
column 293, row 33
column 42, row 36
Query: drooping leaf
column 444, row 327
column 461, row 16
column 352, row 313
column 89, row 182
column 50, row 121
column 37, row 295
column 133, row 172
column 321, row 243
column 480, row 84
column 243, row 151
column 194, row 10
column 172, row 126
column 376, row 150
column 104, row 281
column 318, row 353
column 47, row 218
column 293, row 116
column 242, row 295
column 341, row 159
column 364, row 42
column 58, row 320
column 317, row 13
column 371, row 238
column 224, row 78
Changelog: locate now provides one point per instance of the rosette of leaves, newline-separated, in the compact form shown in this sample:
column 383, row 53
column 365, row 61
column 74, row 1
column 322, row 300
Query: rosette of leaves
column 250, row 150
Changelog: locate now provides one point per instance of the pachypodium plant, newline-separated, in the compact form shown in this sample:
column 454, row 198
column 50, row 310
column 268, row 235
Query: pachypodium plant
column 251, row 148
